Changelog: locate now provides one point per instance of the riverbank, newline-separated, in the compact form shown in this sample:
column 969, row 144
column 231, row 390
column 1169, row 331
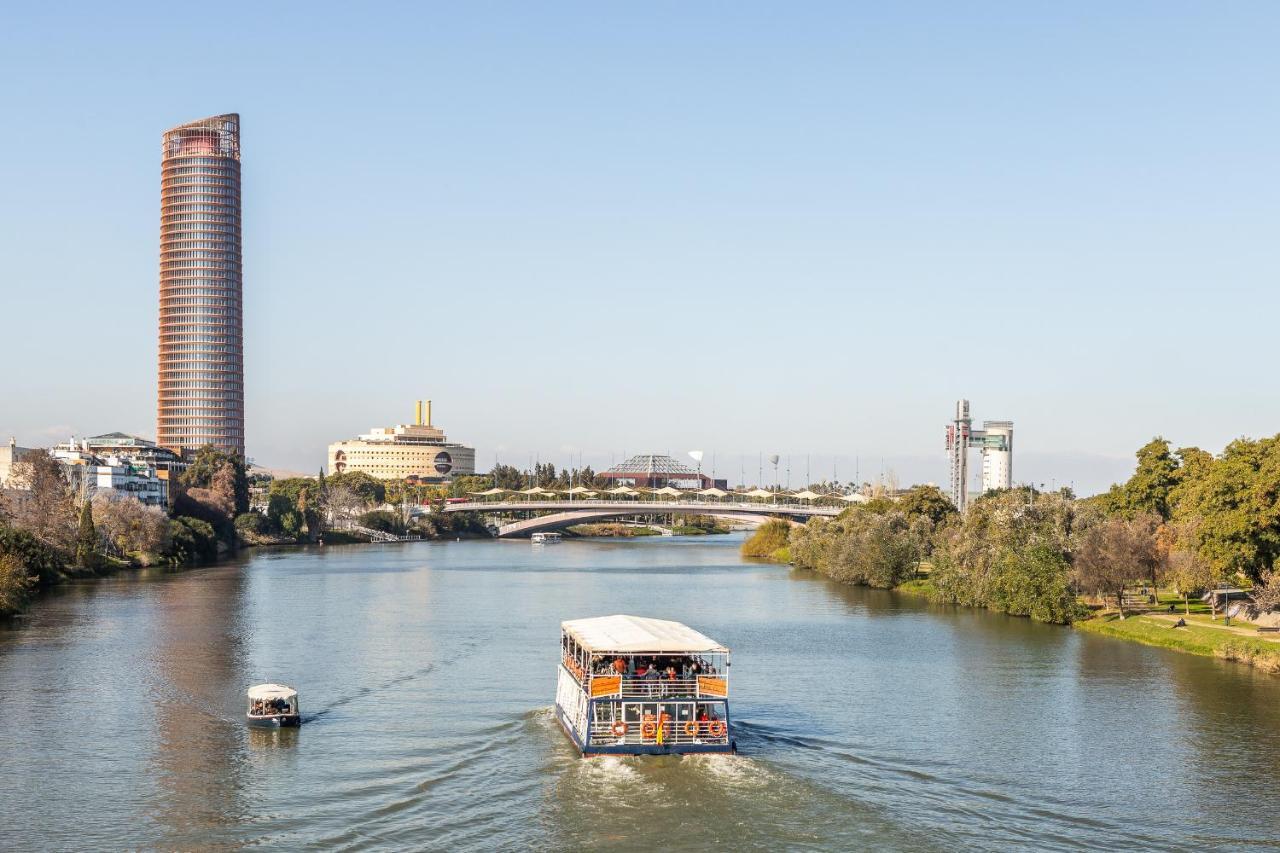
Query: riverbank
column 1195, row 639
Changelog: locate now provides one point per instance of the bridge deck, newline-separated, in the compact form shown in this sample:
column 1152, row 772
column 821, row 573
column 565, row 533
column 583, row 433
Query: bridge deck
column 554, row 514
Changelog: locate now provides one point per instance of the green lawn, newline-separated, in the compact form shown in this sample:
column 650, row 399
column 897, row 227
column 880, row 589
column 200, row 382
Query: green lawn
column 1193, row 639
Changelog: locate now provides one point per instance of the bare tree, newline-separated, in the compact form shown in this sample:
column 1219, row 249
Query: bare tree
column 1115, row 552
column 1266, row 592
column 43, row 501
column 128, row 527
column 344, row 503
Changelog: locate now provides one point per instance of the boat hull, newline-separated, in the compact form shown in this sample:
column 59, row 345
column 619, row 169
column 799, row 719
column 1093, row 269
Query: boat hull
column 276, row 721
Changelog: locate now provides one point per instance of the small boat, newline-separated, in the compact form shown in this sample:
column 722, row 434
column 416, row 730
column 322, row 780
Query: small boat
column 273, row 706
column 631, row 685
column 545, row 538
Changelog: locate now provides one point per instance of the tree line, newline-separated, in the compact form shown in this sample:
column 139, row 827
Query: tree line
column 1185, row 519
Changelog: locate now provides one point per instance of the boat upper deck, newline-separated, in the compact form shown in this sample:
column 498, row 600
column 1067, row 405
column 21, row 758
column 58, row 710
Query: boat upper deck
column 633, row 657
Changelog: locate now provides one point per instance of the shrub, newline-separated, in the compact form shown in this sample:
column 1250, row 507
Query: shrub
column 43, row 561
column 15, row 584
column 384, row 520
column 768, row 539
column 251, row 523
column 191, row 540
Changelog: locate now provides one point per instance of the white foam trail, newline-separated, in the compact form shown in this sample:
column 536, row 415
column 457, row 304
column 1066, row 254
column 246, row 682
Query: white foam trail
column 731, row 770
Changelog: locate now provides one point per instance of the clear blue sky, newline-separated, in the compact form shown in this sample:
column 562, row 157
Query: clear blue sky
column 605, row 228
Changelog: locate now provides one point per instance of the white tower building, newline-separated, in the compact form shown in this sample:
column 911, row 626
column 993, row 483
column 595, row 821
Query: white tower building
column 995, row 440
column 997, row 455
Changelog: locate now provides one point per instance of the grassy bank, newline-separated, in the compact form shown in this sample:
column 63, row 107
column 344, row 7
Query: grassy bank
column 1193, row 639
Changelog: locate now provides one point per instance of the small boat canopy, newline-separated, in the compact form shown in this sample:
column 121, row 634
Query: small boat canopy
column 638, row 634
column 272, row 691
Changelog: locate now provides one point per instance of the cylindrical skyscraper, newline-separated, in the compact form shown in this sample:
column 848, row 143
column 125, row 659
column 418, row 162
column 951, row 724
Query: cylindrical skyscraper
column 201, row 377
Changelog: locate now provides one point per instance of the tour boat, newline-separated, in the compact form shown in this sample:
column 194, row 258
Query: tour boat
column 273, row 706
column 631, row 685
column 545, row 538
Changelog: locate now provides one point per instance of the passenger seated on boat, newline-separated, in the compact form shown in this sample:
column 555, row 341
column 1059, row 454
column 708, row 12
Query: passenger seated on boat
column 650, row 677
column 619, row 666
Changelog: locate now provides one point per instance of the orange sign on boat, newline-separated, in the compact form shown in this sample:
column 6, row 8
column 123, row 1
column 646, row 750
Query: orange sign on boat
column 712, row 686
column 606, row 685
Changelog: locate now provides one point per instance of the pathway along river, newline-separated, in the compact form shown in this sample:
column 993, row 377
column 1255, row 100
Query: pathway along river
column 865, row 719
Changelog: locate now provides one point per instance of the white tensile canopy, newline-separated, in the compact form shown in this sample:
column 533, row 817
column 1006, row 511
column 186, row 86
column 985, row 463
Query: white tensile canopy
column 713, row 492
column 667, row 490
column 855, row 498
column 579, row 490
column 272, row 691
column 806, row 495
column 637, row 635
column 757, row 493
column 486, row 492
column 622, row 490
column 536, row 490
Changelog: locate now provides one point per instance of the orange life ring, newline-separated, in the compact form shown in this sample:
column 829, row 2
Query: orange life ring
column 691, row 728
column 649, row 729
column 716, row 728
column 620, row 729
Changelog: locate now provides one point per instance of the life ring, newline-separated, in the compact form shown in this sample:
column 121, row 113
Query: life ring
column 649, row 729
column 620, row 729
column 716, row 728
column 691, row 728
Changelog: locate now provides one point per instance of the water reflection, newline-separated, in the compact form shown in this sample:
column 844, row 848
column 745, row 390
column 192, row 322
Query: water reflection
column 261, row 738
column 198, row 651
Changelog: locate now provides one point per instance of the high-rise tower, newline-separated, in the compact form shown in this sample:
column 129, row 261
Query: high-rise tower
column 201, row 372
column 995, row 440
column 958, row 436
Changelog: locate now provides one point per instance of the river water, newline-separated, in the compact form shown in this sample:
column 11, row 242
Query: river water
column 865, row 719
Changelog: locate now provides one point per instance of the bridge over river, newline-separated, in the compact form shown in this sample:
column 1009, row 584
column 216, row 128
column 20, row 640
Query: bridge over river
column 553, row 515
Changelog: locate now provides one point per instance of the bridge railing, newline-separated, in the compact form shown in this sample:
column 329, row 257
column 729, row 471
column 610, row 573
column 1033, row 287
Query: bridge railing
column 639, row 506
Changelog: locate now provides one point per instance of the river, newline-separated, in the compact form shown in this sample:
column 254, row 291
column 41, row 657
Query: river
column 865, row 719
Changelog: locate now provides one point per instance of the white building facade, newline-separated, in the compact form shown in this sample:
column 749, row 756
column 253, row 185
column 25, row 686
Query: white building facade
column 417, row 451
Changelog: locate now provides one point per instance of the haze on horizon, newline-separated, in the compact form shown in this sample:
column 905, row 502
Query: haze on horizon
column 587, row 231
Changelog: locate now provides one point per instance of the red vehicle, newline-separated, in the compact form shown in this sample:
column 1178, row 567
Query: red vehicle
column 456, row 500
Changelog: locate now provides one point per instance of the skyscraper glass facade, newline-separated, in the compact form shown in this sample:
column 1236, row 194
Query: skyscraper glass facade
column 201, row 371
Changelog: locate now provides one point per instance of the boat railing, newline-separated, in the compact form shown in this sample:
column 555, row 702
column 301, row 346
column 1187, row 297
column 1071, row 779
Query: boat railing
column 638, row 687
column 647, row 733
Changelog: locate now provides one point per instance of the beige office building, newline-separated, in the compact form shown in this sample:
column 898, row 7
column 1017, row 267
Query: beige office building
column 418, row 450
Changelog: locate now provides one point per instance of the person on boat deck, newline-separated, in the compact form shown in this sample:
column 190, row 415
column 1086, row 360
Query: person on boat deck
column 651, row 678
column 619, row 666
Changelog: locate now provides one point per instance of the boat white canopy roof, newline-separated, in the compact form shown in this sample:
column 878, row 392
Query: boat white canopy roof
column 271, row 691
column 637, row 634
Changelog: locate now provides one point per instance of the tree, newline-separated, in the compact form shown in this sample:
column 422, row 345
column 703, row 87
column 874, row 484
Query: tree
column 1266, row 593
column 1116, row 551
column 928, row 502
column 294, row 507
column 44, row 561
column 87, row 539
column 1149, row 488
column 222, row 472
column 1235, row 502
column 506, row 477
column 129, row 528
column 43, row 501
column 15, row 584
column 191, row 540
column 368, row 489
column 1011, row 553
